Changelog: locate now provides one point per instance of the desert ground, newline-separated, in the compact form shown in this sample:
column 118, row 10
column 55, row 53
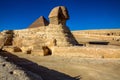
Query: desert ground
column 65, row 68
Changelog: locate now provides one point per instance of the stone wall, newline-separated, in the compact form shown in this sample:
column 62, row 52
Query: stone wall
column 98, row 35
column 7, row 35
column 107, row 32
column 30, row 38
column 2, row 38
column 35, row 38
column 87, row 52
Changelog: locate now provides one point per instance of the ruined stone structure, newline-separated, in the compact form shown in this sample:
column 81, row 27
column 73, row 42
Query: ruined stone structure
column 54, row 34
column 112, row 36
column 55, row 38
column 57, row 28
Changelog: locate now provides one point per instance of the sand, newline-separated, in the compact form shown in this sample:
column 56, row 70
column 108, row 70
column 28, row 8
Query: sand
column 68, row 68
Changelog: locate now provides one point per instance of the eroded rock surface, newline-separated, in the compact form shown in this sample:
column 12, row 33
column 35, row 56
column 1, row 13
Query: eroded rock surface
column 9, row 71
column 59, row 15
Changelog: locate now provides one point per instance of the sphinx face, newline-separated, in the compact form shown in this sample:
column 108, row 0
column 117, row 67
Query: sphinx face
column 65, row 12
column 58, row 15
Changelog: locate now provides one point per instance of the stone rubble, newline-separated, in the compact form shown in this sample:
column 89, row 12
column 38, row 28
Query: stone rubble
column 9, row 71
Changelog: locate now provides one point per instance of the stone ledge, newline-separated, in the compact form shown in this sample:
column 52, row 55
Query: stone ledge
column 86, row 52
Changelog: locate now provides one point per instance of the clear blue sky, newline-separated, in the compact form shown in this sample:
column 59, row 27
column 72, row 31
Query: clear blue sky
column 84, row 14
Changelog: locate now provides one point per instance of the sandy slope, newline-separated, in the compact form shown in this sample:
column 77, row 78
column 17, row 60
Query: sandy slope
column 74, row 68
column 9, row 71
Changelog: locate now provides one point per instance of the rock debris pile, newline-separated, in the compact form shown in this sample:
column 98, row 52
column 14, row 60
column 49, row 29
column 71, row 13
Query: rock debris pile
column 9, row 71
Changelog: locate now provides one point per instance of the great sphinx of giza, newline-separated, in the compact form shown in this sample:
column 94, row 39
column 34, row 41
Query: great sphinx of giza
column 40, row 34
column 58, row 17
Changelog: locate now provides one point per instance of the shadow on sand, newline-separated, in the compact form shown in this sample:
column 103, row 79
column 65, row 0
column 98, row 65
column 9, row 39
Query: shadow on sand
column 45, row 73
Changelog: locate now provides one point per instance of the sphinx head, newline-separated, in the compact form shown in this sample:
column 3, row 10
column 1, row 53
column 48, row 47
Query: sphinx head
column 59, row 15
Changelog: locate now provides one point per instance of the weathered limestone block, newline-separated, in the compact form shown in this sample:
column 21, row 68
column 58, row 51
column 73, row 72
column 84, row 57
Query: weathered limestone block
column 2, row 40
column 12, row 49
column 27, row 50
column 46, row 51
column 17, row 41
column 8, row 48
column 86, row 52
column 8, row 37
column 51, row 42
column 29, row 37
column 17, row 49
